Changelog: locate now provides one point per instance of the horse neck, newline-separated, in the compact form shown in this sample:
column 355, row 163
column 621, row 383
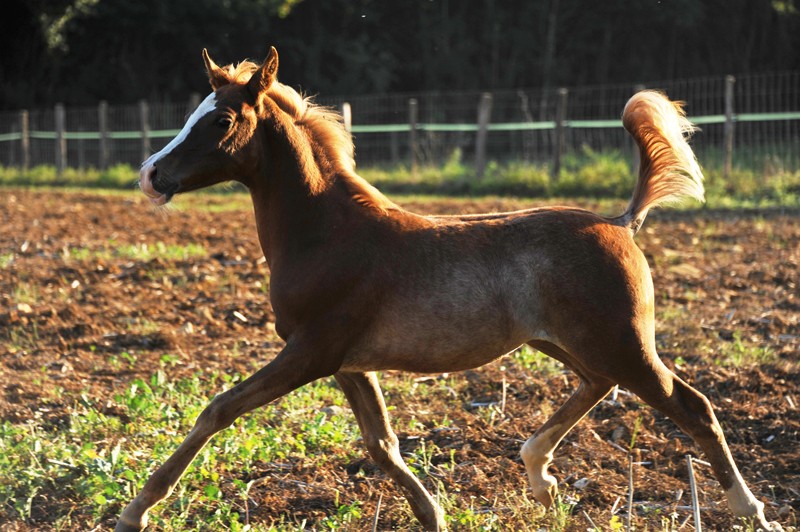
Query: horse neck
column 294, row 203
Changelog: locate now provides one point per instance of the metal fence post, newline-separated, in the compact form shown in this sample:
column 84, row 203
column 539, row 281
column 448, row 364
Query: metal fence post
column 144, row 122
column 61, row 140
column 102, row 122
column 25, row 138
column 484, row 114
column 413, row 113
column 561, row 115
column 728, row 132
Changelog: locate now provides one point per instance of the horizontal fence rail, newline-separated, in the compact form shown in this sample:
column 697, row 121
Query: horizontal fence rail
column 405, row 128
column 752, row 120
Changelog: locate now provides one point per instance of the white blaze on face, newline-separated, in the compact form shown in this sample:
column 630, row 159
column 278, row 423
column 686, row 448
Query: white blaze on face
column 148, row 167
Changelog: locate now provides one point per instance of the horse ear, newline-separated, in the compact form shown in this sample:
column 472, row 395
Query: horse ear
column 216, row 76
column 263, row 78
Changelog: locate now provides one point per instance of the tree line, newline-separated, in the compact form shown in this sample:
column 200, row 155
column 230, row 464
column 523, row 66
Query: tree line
column 81, row 51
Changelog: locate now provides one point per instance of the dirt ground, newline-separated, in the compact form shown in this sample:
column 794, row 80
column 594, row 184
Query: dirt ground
column 726, row 285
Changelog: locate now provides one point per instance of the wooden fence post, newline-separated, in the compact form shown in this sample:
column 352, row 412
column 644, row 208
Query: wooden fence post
column 144, row 121
column 413, row 114
column 81, row 149
column 347, row 117
column 102, row 122
column 728, row 132
column 394, row 149
column 25, row 138
column 560, row 144
column 484, row 115
column 61, row 140
column 12, row 149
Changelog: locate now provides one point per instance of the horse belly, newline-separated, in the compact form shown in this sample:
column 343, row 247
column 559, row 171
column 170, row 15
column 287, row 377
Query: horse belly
column 443, row 330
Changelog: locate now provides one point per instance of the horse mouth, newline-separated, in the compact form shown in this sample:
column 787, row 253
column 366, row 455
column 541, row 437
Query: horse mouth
column 156, row 191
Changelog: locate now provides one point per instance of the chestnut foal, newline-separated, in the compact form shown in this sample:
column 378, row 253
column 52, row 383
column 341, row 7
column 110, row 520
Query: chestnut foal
column 360, row 285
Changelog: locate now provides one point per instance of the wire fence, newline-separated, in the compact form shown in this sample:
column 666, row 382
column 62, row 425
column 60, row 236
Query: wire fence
column 751, row 121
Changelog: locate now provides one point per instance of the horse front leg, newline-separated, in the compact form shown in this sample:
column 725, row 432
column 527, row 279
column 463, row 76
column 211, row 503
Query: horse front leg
column 365, row 397
column 292, row 368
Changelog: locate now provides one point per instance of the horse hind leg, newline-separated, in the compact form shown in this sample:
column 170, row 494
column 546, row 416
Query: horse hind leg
column 692, row 412
column 365, row 397
column 537, row 452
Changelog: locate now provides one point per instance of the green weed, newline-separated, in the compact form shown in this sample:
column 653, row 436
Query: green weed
column 24, row 292
column 22, row 337
column 738, row 353
column 536, row 361
column 6, row 259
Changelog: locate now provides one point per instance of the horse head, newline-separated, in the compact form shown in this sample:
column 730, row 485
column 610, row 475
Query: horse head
column 216, row 143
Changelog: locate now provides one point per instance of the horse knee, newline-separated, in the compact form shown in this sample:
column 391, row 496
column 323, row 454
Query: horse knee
column 701, row 421
column 216, row 416
column 383, row 450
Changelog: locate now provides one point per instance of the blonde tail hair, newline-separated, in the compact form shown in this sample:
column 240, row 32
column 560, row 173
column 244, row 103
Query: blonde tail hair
column 668, row 169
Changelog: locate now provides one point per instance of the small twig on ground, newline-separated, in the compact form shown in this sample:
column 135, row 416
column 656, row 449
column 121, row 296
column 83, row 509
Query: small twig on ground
column 247, row 499
column 630, row 493
column 594, row 526
column 503, row 400
column 693, row 486
column 614, row 506
column 438, row 505
column 377, row 513
column 616, row 446
column 701, row 462
column 62, row 464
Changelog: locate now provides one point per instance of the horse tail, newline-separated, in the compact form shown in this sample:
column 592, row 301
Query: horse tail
column 668, row 169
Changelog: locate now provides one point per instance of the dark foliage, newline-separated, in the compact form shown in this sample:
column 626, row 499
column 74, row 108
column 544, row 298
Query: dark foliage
column 81, row 51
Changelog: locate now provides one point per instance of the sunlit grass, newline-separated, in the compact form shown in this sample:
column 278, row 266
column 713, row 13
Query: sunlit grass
column 140, row 252
column 584, row 173
column 97, row 458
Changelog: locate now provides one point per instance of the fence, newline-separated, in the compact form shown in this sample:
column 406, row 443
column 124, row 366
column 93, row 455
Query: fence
column 751, row 121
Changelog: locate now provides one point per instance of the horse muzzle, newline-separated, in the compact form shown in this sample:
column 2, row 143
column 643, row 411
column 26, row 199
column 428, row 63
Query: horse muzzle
column 157, row 191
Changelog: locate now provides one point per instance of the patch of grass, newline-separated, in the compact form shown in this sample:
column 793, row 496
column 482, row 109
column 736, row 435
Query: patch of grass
column 21, row 337
column 738, row 352
column 97, row 460
column 536, row 361
column 347, row 516
column 6, row 259
column 584, row 173
column 25, row 292
column 117, row 176
column 139, row 252
column 590, row 173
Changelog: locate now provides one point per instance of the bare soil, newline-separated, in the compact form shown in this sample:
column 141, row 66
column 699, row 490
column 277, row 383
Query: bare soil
column 726, row 282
